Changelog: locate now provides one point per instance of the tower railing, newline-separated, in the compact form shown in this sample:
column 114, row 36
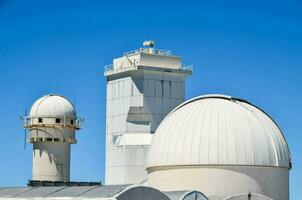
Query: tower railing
column 149, row 50
column 187, row 68
column 28, row 122
column 110, row 68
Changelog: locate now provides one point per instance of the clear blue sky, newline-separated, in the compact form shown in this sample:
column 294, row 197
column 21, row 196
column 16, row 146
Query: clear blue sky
column 252, row 50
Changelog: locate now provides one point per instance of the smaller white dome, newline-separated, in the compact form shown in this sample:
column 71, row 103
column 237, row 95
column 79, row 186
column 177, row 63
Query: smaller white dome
column 52, row 106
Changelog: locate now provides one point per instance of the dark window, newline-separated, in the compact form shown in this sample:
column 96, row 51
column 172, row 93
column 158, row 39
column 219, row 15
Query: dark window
column 58, row 120
column 56, row 139
column 40, row 120
column 71, row 122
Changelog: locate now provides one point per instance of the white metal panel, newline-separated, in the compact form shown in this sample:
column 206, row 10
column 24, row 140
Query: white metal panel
column 155, row 60
column 116, row 90
column 158, row 88
column 109, row 91
column 153, row 105
column 167, row 88
column 138, row 127
column 137, row 85
column 149, row 87
column 176, row 89
column 218, row 130
column 121, row 88
column 136, row 139
column 137, row 101
column 117, row 123
column 153, row 75
column 127, row 87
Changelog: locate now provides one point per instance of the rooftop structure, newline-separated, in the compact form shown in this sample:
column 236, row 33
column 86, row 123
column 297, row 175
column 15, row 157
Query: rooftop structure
column 52, row 123
column 148, row 58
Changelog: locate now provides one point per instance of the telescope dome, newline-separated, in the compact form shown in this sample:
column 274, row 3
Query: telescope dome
column 52, row 105
column 218, row 130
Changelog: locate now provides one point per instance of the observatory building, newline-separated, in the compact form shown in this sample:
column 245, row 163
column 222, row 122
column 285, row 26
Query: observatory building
column 159, row 146
column 222, row 146
column 52, row 123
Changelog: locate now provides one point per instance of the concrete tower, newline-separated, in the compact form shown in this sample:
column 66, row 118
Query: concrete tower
column 143, row 86
column 52, row 123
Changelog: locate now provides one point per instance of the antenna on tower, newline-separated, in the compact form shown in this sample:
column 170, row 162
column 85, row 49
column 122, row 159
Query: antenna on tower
column 74, row 100
column 24, row 118
column 149, row 43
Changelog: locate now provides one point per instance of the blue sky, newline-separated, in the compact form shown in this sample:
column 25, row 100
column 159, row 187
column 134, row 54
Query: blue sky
column 248, row 49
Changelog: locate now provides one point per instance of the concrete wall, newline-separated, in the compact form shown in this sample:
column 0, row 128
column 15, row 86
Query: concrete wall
column 51, row 160
column 155, row 60
column 149, row 60
column 223, row 181
column 136, row 104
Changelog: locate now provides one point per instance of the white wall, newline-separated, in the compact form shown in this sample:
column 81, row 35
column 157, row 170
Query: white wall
column 136, row 104
column 223, row 181
column 148, row 60
column 51, row 161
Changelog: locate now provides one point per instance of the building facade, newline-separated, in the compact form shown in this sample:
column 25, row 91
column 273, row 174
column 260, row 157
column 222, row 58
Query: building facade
column 143, row 86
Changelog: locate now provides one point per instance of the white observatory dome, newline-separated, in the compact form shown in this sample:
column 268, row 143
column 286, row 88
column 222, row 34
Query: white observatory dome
column 218, row 130
column 52, row 106
column 221, row 146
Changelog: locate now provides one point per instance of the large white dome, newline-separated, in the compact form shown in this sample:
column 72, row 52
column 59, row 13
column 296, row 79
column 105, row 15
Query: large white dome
column 52, row 106
column 218, row 130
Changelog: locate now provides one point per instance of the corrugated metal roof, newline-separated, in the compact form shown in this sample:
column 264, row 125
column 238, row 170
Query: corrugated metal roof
column 218, row 130
column 12, row 192
column 97, row 192
column 41, row 192
column 62, row 191
column 105, row 191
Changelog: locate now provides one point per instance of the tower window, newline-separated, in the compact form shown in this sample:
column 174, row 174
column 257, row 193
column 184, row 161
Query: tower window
column 58, row 120
column 71, row 122
column 40, row 120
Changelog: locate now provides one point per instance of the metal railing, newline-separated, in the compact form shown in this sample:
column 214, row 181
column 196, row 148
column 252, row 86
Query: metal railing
column 122, row 69
column 29, row 122
column 148, row 50
column 187, row 68
column 110, row 67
